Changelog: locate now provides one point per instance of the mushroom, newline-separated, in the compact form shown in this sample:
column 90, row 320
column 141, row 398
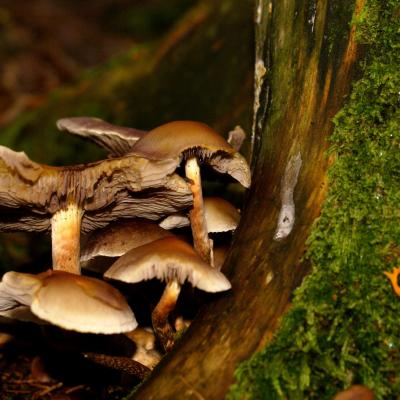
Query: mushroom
column 71, row 301
column 35, row 197
column 118, row 140
column 174, row 261
column 194, row 141
column 145, row 352
column 118, row 237
column 220, row 215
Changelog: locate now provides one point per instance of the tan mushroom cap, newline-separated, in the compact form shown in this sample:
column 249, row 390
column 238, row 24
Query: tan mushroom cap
column 143, row 337
column 82, row 304
column 173, row 139
column 220, row 215
column 119, row 237
column 168, row 259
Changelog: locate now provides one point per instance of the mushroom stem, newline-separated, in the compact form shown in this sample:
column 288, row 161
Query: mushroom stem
column 65, row 235
column 159, row 317
column 196, row 214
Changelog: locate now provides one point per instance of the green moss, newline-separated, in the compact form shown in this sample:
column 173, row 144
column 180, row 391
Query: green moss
column 344, row 325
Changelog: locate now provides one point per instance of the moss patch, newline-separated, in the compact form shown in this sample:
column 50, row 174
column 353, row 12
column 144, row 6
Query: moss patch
column 344, row 325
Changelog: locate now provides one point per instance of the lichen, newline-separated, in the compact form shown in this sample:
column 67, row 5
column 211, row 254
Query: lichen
column 343, row 327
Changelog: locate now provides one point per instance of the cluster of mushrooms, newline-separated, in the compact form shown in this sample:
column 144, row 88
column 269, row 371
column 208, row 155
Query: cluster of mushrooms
column 122, row 208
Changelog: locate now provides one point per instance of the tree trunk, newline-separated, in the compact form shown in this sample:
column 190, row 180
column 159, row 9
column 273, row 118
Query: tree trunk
column 304, row 63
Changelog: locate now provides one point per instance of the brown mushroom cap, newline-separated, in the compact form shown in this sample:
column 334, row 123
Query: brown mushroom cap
column 30, row 193
column 119, row 237
column 178, row 138
column 167, row 259
column 173, row 138
column 118, row 140
column 220, row 215
column 82, row 304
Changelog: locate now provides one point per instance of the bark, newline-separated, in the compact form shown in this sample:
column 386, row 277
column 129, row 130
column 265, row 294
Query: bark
column 304, row 64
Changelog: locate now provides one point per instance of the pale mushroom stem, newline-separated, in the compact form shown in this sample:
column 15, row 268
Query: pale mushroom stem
column 65, row 235
column 159, row 317
column 197, row 217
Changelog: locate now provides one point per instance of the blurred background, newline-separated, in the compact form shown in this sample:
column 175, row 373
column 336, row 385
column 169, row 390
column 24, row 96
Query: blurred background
column 47, row 43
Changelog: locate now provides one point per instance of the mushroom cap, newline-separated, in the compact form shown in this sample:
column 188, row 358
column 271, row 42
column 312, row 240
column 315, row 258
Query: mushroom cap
column 126, row 187
column 174, row 221
column 17, row 288
column 118, row 140
column 166, row 259
column 119, row 237
column 143, row 338
column 174, row 138
column 178, row 138
column 220, row 215
column 82, row 304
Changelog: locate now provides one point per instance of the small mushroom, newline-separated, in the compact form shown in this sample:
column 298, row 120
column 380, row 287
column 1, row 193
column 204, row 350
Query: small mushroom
column 194, row 141
column 72, row 301
column 72, row 199
column 119, row 237
column 145, row 352
column 174, row 261
column 118, row 140
column 220, row 215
